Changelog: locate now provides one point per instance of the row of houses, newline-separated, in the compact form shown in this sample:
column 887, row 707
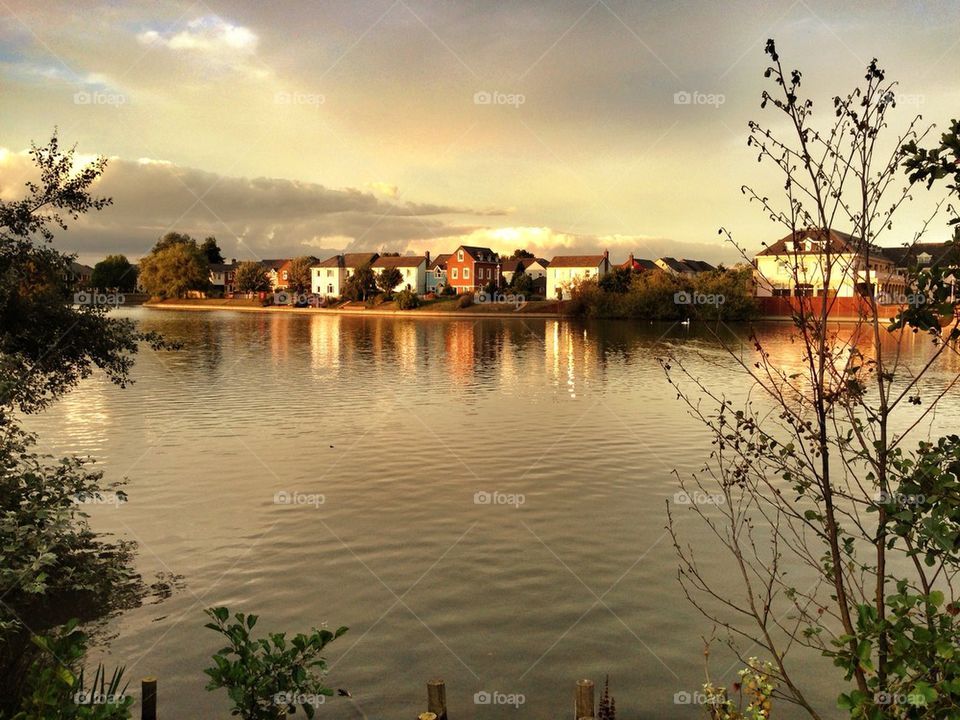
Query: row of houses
column 467, row 269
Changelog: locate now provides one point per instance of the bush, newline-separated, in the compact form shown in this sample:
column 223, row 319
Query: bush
column 407, row 300
column 267, row 678
column 448, row 291
column 464, row 301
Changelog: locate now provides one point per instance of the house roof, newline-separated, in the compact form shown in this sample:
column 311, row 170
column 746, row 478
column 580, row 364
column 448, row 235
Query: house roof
column 80, row 268
column 698, row 265
column 639, row 264
column 440, row 261
column 676, row 265
column 393, row 261
column 348, row 260
column 840, row 243
column 275, row 264
column 222, row 267
column 577, row 260
column 527, row 262
column 483, row 254
column 906, row 256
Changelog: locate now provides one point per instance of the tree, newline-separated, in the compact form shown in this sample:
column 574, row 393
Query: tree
column 48, row 343
column 114, row 272
column 361, row 284
column 519, row 254
column 251, row 277
column 298, row 278
column 842, row 527
column 617, row 280
column 173, row 268
column 211, row 251
column 388, row 279
column 521, row 282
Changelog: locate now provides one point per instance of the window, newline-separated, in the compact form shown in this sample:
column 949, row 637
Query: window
column 453, row 273
column 924, row 258
column 466, row 273
column 804, row 290
column 329, row 273
column 329, row 289
column 284, row 274
column 438, row 272
column 459, row 255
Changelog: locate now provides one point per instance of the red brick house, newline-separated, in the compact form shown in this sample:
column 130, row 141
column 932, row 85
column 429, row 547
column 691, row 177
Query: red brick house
column 470, row 268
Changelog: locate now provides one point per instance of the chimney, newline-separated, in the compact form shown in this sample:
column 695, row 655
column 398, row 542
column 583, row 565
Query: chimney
column 631, row 261
column 428, row 257
column 233, row 261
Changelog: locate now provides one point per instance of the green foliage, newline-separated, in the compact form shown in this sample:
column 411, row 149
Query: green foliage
column 464, row 301
column 519, row 253
column 48, row 344
column 407, row 300
column 251, row 277
column 56, row 687
column 52, row 566
column 298, row 274
column 521, row 283
column 114, row 272
column 175, row 266
column 448, row 290
column 388, row 279
column 361, row 284
column 268, row 678
column 211, row 251
column 618, row 280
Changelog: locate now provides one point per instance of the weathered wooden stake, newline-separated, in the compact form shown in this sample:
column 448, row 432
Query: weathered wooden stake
column 148, row 695
column 437, row 698
column 584, row 705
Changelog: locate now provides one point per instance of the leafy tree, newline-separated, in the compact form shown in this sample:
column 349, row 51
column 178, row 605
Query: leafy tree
column 267, row 678
column 388, row 279
column 298, row 278
column 114, row 271
column 519, row 254
column 407, row 300
column 839, row 511
column 211, row 251
column 361, row 284
column 172, row 238
column 173, row 268
column 251, row 276
column 617, row 280
column 521, row 282
column 47, row 343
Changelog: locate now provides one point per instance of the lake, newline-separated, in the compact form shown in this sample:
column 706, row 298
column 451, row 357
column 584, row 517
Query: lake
column 481, row 500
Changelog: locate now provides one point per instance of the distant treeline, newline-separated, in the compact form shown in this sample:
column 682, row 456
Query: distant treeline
column 721, row 294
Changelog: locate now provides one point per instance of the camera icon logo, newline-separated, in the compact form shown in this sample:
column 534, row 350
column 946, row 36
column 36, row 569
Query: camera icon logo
column 682, row 697
column 82, row 98
column 481, row 497
column 682, row 298
column 681, row 498
column 482, row 97
column 281, row 298
column 281, row 497
column 482, row 698
column 682, row 98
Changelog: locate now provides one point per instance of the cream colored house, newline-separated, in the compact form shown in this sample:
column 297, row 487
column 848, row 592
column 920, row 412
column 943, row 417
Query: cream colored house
column 329, row 277
column 413, row 271
column 565, row 270
column 797, row 265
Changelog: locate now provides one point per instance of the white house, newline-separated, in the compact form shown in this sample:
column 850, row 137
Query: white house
column 565, row 270
column 413, row 269
column 329, row 277
column 797, row 265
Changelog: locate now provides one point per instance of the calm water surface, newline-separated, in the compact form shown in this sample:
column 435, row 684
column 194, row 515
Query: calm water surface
column 397, row 424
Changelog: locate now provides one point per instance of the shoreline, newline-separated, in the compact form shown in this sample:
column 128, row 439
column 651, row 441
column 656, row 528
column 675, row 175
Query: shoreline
column 363, row 312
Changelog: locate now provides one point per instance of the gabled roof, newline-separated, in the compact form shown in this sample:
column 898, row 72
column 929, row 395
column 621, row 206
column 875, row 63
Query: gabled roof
column 840, row 243
column 79, row 268
column 698, row 265
column 440, row 261
column 222, row 267
column 579, row 261
column 676, row 265
column 348, row 260
column 527, row 262
column 639, row 264
column 274, row 264
column 481, row 254
column 393, row 261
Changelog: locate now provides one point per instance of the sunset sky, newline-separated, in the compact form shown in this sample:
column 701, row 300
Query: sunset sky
column 299, row 128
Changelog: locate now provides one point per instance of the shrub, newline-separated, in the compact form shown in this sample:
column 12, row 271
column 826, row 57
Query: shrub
column 266, row 678
column 407, row 300
column 464, row 301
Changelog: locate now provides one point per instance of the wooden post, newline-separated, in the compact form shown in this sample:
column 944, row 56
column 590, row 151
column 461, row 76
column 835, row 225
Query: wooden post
column 437, row 698
column 148, row 698
column 584, row 704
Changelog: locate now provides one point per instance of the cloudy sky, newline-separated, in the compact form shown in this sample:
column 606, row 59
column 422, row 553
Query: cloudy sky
column 307, row 128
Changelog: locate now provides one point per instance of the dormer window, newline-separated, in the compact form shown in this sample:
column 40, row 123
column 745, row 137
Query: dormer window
column 924, row 258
